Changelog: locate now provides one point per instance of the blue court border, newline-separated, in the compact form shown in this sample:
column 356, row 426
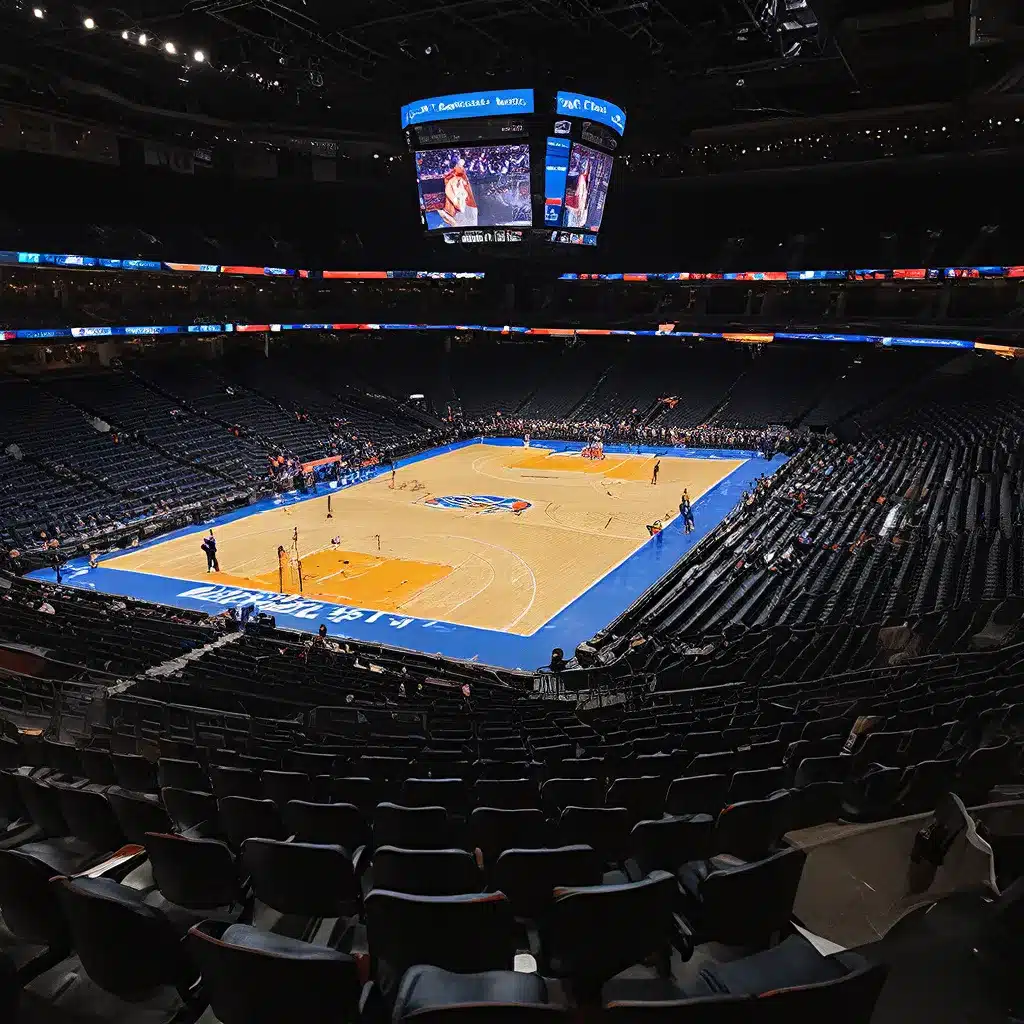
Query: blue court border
column 602, row 602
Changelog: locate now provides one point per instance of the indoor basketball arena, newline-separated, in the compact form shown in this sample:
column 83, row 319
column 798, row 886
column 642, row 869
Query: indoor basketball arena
column 442, row 583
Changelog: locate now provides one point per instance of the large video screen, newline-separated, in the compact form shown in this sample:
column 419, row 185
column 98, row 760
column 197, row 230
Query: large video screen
column 586, row 188
column 475, row 186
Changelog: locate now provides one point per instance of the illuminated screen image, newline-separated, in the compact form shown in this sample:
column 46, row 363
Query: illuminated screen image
column 586, row 188
column 475, row 187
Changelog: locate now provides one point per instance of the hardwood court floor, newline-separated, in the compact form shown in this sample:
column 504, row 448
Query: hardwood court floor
column 472, row 562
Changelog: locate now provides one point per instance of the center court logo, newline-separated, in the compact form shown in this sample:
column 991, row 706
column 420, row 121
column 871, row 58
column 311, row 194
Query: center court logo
column 480, row 503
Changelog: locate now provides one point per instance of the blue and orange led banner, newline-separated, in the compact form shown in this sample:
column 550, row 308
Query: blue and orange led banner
column 554, row 196
column 665, row 330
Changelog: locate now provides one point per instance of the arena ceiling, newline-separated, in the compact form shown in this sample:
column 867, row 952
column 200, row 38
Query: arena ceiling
column 341, row 68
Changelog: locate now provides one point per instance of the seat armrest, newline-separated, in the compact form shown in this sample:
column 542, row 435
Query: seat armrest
column 683, row 937
column 360, row 861
column 123, row 861
column 633, row 870
column 371, row 1005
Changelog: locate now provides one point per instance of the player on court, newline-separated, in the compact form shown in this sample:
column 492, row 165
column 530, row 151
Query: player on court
column 657, row 470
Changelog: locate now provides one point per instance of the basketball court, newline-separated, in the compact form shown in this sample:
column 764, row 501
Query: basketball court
column 483, row 544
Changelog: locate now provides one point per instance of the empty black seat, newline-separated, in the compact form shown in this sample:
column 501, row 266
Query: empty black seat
column 284, row 786
column 528, row 877
column 199, row 874
column 884, row 748
column 135, row 772
column 311, row 762
column 31, row 911
column 97, row 766
column 757, row 784
column 668, row 843
column 189, row 808
column 816, row 804
column 643, row 797
column 556, row 794
column 42, row 802
column 873, row 796
column 426, row 872
column 360, row 792
column 411, row 828
column 340, row 824
column 922, row 786
column 256, row 977
column 697, row 794
column 306, row 879
column 835, row 768
column 739, row 903
column 91, row 819
column 478, row 930
column 984, row 769
column 511, row 794
column 493, row 830
column 125, row 946
column 229, row 781
column 593, row 933
column 62, row 758
column 432, row 995
column 448, row 793
column 138, row 814
column 181, row 774
column 243, row 818
column 751, row 828
column 770, row 754
column 722, row 762
column 793, row 981
column 669, row 1005
column 392, row 769
column 605, row 829
column 583, row 768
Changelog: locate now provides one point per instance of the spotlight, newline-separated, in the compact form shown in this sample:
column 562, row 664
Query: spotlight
column 125, row 34
column 89, row 23
column 170, row 48
column 39, row 12
column 143, row 39
column 199, row 56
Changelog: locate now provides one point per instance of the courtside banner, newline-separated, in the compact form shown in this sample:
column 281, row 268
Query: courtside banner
column 492, row 103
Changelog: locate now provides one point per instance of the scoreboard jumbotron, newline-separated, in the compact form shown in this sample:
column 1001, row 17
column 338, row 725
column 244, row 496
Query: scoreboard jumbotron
column 491, row 168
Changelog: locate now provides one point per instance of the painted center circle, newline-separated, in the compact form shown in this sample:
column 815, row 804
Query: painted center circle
column 479, row 503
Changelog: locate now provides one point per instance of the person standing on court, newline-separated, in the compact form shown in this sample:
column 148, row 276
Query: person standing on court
column 657, row 470
column 209, row 546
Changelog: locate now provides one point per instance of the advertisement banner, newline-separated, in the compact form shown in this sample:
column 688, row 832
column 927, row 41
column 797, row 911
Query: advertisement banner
column 491, row 103
column 574, row 104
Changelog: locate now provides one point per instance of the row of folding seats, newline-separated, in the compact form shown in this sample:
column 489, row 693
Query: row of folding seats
column 589, row 930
